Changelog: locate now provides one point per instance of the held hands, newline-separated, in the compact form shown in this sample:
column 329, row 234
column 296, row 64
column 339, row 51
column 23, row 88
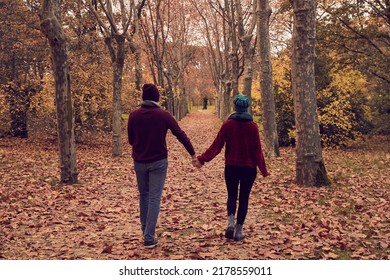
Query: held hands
column 195, row 162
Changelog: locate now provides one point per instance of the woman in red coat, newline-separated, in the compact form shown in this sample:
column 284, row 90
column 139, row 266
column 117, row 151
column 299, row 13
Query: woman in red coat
column 243, row 154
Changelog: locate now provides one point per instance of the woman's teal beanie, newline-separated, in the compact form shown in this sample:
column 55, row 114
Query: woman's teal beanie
column 241, row 103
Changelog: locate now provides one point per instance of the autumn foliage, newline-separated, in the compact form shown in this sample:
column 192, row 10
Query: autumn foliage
column 193, row 50
column 98, row 218
column 351, row 77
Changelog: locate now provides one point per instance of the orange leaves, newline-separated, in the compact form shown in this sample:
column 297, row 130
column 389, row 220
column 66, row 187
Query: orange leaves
column 99, row 217
column 107, row 249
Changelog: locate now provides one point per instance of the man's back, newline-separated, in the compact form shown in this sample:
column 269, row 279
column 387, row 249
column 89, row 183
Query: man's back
column 147, row 129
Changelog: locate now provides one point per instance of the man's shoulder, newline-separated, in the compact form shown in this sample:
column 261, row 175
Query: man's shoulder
column 163, row 112
column 135, row 111
column 158, row 112
column 148, row 109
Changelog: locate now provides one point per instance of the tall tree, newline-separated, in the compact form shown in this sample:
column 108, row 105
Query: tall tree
column 119, row 23
column 310, row 167
column 266, row 88
column 155, row 26
column 230, row 18
column 52, row 28
column 246, row 23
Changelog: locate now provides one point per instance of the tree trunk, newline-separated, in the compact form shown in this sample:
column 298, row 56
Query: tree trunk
column 218, row 100
column 118, row 61
column 226, row 104
column 138, row 70
column 310, row 167
column 266, row 89
column 245, row 33
column 19, row 101
column 117, row 109
column 176, row 105
column 248, row 76
column 129, row 17
column 135, row 49
column 52, row 29
column 169, row 94
column 117, row 97
column 233, row 55
column 18, row 106
column 183, row 105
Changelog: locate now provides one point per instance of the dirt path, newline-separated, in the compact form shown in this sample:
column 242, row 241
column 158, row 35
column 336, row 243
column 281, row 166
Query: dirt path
column 98, row 218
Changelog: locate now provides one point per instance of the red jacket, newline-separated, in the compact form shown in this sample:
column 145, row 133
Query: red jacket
column 147, row 129
column 243, row 147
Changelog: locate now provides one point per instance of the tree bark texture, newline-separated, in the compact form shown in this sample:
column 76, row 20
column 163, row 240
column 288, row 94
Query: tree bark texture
column 52, row 29
column 267, row 96
column 118, row 62
column 226, row 101
column 233, row 55
column 310, row 168
column 248, row 76
column 135, row 49
column 245, row 33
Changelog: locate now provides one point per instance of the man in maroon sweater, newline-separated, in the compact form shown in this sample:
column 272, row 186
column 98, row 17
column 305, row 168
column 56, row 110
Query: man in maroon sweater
column 147, row 130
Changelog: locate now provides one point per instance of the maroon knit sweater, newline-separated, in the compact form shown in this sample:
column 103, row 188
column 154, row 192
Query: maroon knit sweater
column 147, row 129
column 243, row 147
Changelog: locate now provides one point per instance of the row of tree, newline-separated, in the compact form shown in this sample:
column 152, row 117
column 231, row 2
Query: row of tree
column 332, row 65
column 137, row 42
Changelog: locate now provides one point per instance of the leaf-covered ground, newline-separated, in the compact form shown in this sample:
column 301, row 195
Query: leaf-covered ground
column 98, row 218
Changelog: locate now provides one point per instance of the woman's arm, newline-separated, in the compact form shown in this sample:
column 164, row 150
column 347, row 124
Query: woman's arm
column 215, row 147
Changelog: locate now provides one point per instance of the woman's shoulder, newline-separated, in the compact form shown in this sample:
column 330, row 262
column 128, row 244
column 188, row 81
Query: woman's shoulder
column 237, row 122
